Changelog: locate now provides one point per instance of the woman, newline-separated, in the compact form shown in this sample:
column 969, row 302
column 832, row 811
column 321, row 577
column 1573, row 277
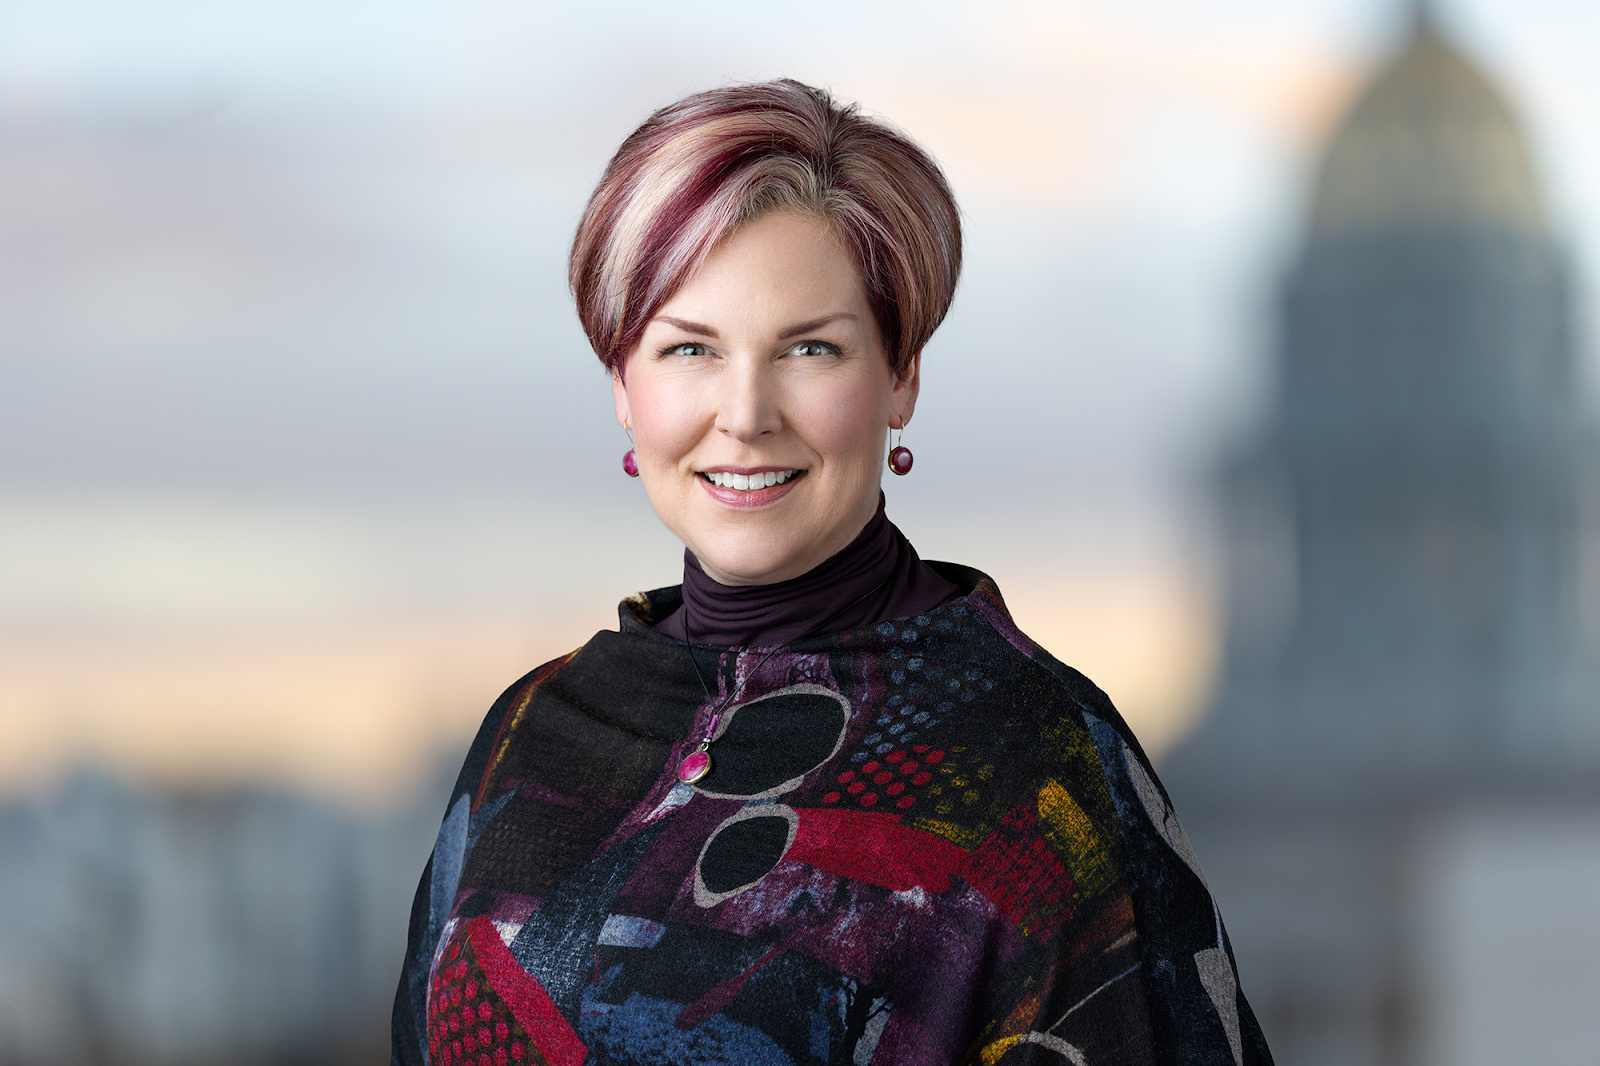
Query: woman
column 823, row 802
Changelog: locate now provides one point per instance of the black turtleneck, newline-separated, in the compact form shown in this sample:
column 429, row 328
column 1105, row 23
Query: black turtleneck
column 875, row 577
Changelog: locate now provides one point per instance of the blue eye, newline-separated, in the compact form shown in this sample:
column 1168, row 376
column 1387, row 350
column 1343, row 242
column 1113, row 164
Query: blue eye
column 813, row 349
column 691, row 349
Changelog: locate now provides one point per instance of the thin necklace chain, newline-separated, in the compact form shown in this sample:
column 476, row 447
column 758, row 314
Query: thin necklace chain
column 716, row 713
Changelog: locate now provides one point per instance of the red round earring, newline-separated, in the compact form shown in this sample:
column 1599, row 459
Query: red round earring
column 630, row 461
column 900, row 455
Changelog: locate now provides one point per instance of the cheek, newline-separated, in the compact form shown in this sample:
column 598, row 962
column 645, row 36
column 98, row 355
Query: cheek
column 664, row 424
column 851, row 427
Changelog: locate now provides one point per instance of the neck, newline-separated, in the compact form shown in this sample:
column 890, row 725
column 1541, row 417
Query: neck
column 875, row 577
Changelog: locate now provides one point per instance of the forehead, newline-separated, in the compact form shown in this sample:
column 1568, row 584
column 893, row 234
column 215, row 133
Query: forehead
column 777, row 265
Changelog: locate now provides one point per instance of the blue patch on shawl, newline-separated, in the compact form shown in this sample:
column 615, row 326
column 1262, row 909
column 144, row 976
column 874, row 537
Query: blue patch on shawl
column 644, row 1030
column 557, row 942
column 448, row 853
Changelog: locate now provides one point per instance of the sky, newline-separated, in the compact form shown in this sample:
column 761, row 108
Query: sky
column 303, row 456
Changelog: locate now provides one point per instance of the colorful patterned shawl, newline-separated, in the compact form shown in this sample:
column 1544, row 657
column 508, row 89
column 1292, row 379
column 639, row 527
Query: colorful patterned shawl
column 923, row 842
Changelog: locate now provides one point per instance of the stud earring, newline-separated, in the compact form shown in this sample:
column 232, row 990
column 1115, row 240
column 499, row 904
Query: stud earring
column 900, row 456
column 630, row 461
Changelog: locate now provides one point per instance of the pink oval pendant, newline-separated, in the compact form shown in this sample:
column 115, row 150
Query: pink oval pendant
column 694, row 766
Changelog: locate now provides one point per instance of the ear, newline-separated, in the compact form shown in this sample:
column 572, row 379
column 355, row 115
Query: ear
column 904, row 398
column 619, row 394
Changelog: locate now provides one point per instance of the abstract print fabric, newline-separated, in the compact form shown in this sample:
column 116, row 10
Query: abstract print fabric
column 921, row 842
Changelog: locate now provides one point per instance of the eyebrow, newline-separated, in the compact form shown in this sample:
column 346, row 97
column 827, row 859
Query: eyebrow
column 689, row 327
column 818, row 323
column 703, row 330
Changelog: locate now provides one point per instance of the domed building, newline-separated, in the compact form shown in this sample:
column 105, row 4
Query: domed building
column 1409, row 708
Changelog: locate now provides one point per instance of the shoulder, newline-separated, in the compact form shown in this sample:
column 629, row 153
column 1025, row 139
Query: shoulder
column 609, row 711
column 1074, row 691
column 1082, row 718
column 504, row 716
column 1082, row 778
column 1068, row 709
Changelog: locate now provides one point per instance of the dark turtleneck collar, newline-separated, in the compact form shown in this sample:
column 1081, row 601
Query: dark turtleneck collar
column 875, row 577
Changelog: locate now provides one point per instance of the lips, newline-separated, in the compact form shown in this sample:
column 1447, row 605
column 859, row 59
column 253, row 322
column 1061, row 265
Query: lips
column 749, row 489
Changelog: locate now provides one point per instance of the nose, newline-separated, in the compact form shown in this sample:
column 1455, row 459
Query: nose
column 747, row 404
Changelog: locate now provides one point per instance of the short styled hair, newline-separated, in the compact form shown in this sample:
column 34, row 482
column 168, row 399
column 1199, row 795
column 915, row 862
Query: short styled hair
column 698, row 169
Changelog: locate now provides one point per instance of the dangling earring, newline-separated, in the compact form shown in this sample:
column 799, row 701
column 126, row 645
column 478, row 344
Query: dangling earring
column 899, row 455
column 630, row 462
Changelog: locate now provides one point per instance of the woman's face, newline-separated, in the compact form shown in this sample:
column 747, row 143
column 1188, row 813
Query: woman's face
column 766, row 368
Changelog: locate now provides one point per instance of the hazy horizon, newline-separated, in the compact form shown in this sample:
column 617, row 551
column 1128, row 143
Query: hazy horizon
column 303, row 457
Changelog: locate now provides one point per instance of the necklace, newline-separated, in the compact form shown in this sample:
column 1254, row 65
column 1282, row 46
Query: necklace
column 697, row 764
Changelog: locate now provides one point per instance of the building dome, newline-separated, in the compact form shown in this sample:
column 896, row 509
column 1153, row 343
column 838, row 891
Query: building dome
column 1432, row 144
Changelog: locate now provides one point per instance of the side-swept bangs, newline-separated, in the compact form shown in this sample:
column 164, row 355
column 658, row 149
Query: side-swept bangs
column 701, row 167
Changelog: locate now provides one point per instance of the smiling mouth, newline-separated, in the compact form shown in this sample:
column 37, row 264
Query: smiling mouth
column 750, row 482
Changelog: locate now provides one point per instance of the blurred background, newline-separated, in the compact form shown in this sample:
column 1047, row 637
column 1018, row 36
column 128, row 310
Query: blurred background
column 1267, row 398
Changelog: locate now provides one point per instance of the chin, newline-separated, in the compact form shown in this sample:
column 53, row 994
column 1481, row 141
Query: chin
column 745, row 563
column 747, row 571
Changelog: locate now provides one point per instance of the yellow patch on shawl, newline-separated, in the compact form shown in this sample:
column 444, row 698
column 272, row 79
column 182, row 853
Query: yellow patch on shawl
column 967, row 838
column 1073, row 835
column 1066, row 742
column 996, row 1051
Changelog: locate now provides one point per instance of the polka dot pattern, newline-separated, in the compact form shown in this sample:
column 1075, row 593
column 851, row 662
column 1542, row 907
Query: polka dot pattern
column 896, row 778
column 953, row 784
column 894, row 765
column 924, row 689
column 468, row 1025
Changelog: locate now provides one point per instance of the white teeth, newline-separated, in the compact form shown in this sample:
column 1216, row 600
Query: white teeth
column 749, row 482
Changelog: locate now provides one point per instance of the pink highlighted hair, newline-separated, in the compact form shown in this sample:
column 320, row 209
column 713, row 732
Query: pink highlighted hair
column 705, row 165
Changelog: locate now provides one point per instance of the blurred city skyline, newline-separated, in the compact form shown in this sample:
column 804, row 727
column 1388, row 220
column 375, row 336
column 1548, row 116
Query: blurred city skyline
column 303, row 456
